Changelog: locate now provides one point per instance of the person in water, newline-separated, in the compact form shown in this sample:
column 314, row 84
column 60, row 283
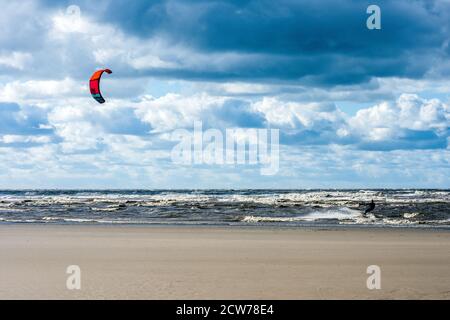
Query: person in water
column 370, row 207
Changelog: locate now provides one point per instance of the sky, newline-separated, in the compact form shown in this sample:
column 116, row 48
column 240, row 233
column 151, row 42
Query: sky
column 355, row 108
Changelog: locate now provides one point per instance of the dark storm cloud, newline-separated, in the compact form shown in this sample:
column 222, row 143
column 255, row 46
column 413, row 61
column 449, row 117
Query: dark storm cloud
column 283, row 27
column 315, row 42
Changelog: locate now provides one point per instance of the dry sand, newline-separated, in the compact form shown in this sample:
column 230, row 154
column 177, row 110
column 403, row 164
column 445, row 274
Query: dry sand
column 126, row 262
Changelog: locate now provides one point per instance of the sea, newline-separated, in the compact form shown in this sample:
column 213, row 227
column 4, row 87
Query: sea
column 415, row 208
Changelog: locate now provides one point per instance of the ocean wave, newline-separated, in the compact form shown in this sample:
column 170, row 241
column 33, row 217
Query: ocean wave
column 250, row 219
column 90, row 220
column 410, row 215
column 110, row 208
column 266, row 198
column 338, row 214
column 393, row 207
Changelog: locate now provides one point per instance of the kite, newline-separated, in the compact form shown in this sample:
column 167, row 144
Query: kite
column 94, row 85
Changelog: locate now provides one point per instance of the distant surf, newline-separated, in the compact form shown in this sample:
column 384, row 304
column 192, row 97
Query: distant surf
column 409, row 208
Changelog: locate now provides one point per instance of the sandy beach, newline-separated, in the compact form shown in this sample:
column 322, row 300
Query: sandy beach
column 128, row 262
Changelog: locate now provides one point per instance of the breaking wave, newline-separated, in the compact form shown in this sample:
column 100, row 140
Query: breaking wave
column 407, row 207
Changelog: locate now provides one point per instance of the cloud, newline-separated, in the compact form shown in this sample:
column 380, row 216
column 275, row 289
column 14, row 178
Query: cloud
column 81, row 145
column 411, row 122
column 21, row 26
column 302, row 167
column 22, row 120
column 41, row 90
column 313, row 43
column 84, row 127
column 354, row 107
column 16, row 60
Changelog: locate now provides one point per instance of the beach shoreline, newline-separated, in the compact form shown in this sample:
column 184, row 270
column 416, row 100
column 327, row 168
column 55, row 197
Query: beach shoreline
column 213, row 262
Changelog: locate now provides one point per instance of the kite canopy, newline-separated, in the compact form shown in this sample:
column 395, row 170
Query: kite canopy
column 94, row 85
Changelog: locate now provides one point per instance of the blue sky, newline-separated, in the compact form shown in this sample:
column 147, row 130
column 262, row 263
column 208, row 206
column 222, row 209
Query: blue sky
column 356, row 108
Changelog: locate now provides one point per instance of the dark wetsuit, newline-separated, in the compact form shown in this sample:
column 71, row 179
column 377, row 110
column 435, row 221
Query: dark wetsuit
column 370, row 207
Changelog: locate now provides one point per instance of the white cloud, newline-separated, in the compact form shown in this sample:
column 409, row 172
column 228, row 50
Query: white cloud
column 103, row 145
column 174, row 111
column 8, row 138
column 150, row 61
column 41, row 90
column 299, row 115
column 387, row 120
column 16, row 60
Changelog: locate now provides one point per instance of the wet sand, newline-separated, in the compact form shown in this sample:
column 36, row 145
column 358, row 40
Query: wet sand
column 147, row 262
